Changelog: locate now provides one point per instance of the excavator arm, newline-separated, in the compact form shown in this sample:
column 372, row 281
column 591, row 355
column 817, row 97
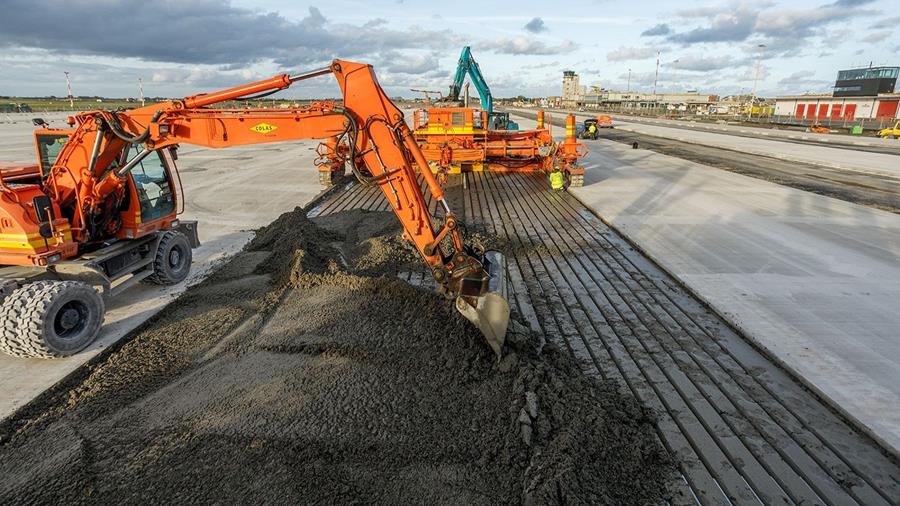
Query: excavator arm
column 468, row 65
column 381, row 151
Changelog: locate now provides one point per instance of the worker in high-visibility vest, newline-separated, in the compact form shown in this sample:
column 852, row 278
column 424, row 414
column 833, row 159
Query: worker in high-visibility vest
column 592, row 130
column 557, row 179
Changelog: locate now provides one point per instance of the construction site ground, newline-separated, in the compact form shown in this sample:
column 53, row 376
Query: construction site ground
column 231, row 370
column 739, row 427
column 306, row 371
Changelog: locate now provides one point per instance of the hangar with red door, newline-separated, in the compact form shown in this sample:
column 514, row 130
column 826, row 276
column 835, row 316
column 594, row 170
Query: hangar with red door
column 859, row 94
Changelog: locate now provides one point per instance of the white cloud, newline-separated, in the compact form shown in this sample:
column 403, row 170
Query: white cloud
column 631, row 53
column 526, row 46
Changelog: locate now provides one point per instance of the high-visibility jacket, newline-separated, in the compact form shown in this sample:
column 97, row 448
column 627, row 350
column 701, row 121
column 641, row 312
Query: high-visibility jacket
column 557, row 180
column 592, row 128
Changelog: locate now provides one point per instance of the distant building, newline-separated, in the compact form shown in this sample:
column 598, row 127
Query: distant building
column 867, row 82
column 859, row 94
column 605, row 99
column 572, row 92
column 819, row 108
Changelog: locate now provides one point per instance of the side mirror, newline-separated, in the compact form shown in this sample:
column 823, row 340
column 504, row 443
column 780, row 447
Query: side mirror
column 173, row 150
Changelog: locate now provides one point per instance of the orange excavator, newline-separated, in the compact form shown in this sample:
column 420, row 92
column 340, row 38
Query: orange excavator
column 99, row 211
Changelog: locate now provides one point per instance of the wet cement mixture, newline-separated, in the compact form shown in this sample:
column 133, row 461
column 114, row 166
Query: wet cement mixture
column 305, row 372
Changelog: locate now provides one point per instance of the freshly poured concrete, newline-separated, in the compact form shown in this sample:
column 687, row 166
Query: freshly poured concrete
column 230, row 192
column 813, row 280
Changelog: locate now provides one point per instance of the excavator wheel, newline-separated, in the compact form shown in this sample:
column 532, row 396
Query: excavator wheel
column 173, row 259
column 48, row 319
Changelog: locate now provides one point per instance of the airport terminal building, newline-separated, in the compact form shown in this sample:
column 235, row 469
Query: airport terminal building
column 859, row 94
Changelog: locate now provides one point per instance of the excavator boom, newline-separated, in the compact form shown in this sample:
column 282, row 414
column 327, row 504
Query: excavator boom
column 378, row 146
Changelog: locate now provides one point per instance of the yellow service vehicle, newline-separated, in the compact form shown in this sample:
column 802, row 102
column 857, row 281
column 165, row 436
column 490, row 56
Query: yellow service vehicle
column 891, row 132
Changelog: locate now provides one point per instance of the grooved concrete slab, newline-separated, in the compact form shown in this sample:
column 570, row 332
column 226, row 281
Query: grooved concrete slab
column 813, row 280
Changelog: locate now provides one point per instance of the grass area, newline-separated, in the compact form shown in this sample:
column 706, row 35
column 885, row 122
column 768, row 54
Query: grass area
column 86, row 104
column 62, row 104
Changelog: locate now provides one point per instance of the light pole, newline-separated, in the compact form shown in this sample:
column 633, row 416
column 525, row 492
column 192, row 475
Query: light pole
column 674, row 74
column 760, row 47
column 629, row 82
column 141, row 86
column 656, row 77
column 674, row 69
column 69, row 91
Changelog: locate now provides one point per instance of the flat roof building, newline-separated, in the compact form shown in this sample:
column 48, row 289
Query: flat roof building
column 859, row 94
column 866, row 82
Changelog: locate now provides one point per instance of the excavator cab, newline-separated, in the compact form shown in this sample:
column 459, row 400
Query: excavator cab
column 501, row 121
column 48, row 142
column 151, row 198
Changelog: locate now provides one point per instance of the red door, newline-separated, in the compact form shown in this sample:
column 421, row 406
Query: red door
column 811, row 111
column 887, row 109
column 836, row 111
column 800, row 110
column 850, row 112
column 823, row 111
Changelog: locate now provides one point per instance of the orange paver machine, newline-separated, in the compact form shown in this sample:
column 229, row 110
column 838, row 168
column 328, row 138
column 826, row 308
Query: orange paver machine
column 457, row 139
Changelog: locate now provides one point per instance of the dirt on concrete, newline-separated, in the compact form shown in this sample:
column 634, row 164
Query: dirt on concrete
column 305, row 372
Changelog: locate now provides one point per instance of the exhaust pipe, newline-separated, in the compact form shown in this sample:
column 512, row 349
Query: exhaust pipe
column 490, row 311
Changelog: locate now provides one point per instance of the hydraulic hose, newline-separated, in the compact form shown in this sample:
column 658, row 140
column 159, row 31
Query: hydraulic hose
column 257, row 97
column 352, row 134
column 116, row 128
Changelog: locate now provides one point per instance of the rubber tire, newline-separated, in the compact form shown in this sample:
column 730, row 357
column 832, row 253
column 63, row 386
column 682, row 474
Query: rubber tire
column 27, row 317
column 164, row 273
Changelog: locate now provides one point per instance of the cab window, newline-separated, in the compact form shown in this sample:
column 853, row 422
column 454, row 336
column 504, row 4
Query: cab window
column 153, row 186
column 49, row 146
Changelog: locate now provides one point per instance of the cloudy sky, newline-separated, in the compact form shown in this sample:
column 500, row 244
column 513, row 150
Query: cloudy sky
column 182, row 47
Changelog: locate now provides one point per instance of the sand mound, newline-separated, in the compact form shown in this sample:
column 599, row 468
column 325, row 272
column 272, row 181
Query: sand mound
column 305, row 372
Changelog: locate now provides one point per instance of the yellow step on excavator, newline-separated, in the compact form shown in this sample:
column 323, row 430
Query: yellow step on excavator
column 99, row 211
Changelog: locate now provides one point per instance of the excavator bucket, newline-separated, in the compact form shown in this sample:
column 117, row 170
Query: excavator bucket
column 490, row 312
